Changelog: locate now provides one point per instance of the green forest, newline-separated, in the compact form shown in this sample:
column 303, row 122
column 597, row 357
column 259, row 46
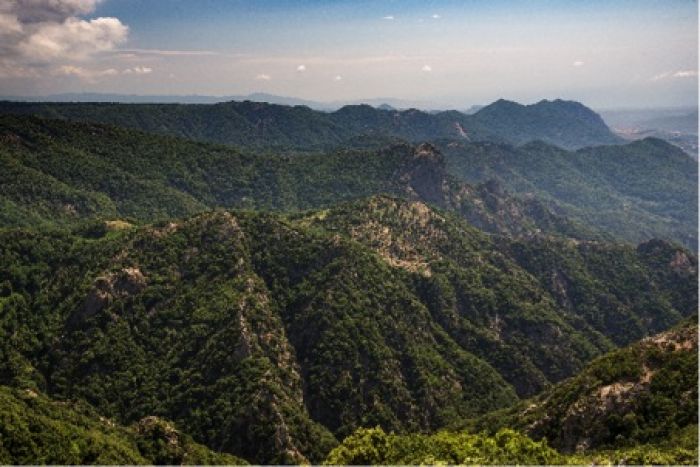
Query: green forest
column 182, row 285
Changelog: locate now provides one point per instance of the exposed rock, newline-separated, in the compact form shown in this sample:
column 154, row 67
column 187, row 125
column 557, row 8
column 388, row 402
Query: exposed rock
column 128, row 281
column 156, row 427
column 681, row 264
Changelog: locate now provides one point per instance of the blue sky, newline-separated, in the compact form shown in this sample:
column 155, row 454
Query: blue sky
column 453, row 53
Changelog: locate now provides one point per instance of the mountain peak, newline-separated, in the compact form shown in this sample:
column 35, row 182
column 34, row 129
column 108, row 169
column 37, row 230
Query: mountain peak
column 568, row 124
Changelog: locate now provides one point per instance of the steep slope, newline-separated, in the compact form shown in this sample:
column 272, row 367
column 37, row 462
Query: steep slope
column 262, row 125
column 595, row 281
column 37, row 430
column 636, row 191
column 642, row 394
column 636, row 405
column 173, row 320
column 66, row 172
column 564, row 291
column 269, row 337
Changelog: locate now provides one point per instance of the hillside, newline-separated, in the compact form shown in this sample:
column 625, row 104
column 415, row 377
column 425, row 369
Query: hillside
column 261, row 125
column 637, row 191
column 57, row 172
column 636, row 405
column 640, row 395
column 37, row 430
column 270, row 337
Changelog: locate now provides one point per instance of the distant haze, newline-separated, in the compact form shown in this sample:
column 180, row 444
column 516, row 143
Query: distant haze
column 443, row 53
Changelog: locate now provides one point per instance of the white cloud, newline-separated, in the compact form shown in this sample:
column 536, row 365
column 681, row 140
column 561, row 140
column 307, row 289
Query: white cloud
column 168, row 53
column 73, row 39
column 34, row 11
column 9, row 24
column 436, row 16
column 389, row 18
column 138, row 70
column 685, row 74
column 83, row 73
column 677, row 74
column 50, row 37
column 578, row 63
column 427, row 68
column 301, row 68
column 338, row 78
column 661, row 76
column 263, row 77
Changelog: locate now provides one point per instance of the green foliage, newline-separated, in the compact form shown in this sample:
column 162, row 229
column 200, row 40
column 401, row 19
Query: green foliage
column 37, row 430
column 681, row 448
column 372, row 446
column 268, row 336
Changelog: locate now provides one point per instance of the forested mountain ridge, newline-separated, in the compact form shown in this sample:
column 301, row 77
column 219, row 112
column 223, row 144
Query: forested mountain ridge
column 261, row 125
column 63, row 172
column 635, row 191
column 636, row 405
column 269, row 303
column 271, row 337
column 567, row 124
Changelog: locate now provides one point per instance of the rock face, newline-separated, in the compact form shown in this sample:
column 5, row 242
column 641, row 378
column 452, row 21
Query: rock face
column 426, row 175
column 121, row 284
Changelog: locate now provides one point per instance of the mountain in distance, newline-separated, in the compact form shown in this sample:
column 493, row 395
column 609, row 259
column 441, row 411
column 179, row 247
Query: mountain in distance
column 266, row 126
column 135, row 177
column 679, row 119
column 636, row 191
column 166, row 300
column 567, row 124
column 272, row 337
column 58, row 172
column 167, row 99
column 378, row 102
column 474, row 109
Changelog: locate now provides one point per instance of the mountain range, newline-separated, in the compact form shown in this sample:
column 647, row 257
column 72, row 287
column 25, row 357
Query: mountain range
column 261, row 125
column 247, row 282
column 272, row 337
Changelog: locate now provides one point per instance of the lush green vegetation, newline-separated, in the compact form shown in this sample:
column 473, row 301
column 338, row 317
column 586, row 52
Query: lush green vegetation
column 37, row 430
column 360, row 294
column 60, row 172
column 637, row 191
column 640, row 400
column 270, row 336
column 267, row 126
column 372, row 446
column 637, row 405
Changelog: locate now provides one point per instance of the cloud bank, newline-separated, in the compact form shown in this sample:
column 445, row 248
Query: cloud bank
column 37, row 36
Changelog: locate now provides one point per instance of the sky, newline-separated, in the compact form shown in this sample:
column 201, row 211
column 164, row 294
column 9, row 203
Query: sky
column 452, row 54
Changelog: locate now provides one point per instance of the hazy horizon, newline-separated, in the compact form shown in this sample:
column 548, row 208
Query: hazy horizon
column 448, row 54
